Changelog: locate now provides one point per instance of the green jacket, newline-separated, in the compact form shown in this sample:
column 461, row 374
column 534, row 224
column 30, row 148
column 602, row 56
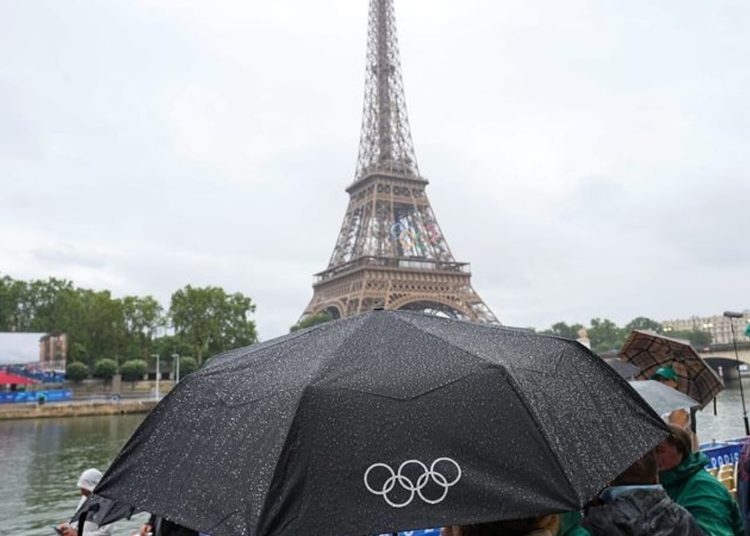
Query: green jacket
column 710, row 503
column 570, row 525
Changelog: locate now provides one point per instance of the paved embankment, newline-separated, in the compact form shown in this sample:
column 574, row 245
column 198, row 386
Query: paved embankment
column 75, row 409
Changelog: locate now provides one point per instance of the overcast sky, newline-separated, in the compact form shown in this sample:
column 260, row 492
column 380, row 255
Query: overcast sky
column 588, row 158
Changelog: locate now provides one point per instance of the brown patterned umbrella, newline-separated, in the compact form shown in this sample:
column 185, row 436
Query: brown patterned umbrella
column 649, row 351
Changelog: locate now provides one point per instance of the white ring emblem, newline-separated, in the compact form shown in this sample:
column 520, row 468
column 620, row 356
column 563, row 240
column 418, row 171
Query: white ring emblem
column 413, row 488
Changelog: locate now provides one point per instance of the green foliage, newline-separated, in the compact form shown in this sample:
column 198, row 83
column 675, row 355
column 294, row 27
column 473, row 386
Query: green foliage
column 133, row 370
column 142, row 317
column 100, row 326
column 169, row 346
column 76, row 372
column 212, row 320
column 698, row 339
column 605, row 336
column 105, row 369
column 14, row 312
column 644, row 324
column 188, row 365
column 311, row 320
column 561, row 329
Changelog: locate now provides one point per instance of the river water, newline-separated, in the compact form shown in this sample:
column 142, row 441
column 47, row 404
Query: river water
column 40, row 461
column 727, row 423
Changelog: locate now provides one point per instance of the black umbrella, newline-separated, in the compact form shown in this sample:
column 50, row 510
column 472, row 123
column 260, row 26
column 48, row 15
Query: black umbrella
column 380, row 422
column 626, row 370
column 662, row 397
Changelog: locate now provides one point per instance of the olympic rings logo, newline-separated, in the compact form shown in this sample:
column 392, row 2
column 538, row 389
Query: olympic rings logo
column 412, row 488
column 419, row 237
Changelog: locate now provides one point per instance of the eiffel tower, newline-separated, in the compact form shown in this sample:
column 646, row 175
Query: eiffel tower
column 390, row 252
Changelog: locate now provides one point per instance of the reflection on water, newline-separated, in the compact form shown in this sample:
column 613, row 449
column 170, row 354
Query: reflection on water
column 40, row 461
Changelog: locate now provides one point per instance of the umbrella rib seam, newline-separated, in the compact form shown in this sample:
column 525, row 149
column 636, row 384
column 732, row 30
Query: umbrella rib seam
column 547, row 442
column 316, row 377
column 270, row 344
column 519, row 394
column 452, row 344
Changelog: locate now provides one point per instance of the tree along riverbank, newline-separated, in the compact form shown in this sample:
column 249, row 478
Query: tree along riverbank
column 75, row 409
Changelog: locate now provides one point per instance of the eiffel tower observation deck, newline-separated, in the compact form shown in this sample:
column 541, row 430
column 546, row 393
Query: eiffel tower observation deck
column 391, row 252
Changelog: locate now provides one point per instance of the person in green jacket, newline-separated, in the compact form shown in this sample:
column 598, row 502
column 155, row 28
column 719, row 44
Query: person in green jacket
column 570, row 525
column 684, row 477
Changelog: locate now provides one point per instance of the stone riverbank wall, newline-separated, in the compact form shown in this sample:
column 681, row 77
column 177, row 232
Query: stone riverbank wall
column 75, row 409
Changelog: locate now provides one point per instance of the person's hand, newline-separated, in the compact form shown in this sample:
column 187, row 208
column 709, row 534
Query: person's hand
column 67, row 530
column 146, row 529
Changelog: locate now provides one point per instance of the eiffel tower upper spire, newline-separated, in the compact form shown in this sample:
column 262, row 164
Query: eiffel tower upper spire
column 390, row 252
column 385, row 144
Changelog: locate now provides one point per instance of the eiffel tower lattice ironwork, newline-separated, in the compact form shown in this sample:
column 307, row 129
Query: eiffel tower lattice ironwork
column 390, row 252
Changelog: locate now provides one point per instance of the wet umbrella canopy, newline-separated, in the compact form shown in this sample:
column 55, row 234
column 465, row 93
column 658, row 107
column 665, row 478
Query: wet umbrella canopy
column 383, row 421
column 626, row 370
column 651, row 351
column 663, row 398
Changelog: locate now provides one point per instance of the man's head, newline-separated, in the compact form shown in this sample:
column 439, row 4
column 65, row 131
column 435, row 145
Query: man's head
column 88, row 481
column 675, row 448
column 666, row 375
column 644, row 471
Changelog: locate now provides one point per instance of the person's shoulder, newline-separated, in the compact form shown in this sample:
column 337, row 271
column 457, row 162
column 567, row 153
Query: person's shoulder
column 707, row 483
column 576, row 531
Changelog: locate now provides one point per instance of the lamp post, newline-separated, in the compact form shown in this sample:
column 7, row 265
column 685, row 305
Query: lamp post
column 731, row 315
column 176, row 357
column 158, row 373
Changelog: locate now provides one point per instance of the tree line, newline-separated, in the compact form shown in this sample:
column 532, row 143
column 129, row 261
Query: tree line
column 606, row 336
column 106, row 333
column 104, row 330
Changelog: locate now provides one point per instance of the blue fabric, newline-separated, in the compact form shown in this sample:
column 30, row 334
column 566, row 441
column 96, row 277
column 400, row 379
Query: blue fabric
column 610, row 494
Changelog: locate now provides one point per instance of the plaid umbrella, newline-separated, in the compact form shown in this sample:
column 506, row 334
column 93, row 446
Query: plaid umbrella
column 649, row 351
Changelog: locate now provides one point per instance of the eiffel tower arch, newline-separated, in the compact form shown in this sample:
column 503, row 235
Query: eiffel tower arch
column 391, row 252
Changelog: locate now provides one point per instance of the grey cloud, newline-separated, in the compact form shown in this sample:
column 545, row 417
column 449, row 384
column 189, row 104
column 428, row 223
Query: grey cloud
column 587, row 159
column 57, row 257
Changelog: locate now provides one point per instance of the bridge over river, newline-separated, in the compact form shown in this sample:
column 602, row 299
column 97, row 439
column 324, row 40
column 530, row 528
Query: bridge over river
column 722, row 358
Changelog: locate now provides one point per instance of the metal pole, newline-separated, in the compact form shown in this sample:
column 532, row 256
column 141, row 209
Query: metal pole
column 731, row 316
column 177, row 373
column 158, row 373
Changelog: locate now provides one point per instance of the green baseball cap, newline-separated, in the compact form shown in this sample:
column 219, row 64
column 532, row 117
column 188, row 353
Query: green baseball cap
column 665, row 373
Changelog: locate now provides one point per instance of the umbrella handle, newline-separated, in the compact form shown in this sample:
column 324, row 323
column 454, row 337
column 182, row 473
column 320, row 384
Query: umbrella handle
column 693, row 424
column 82, row 522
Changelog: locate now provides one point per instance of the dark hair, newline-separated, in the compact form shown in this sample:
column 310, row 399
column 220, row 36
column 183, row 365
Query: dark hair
column 643, row 471
column 680, row 439
column 519, row 527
